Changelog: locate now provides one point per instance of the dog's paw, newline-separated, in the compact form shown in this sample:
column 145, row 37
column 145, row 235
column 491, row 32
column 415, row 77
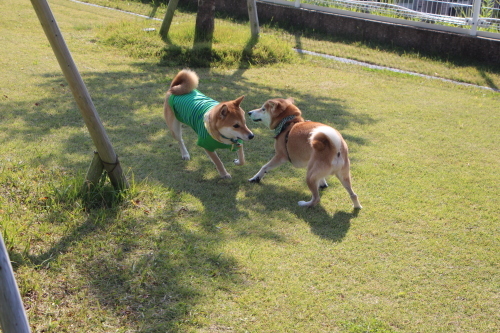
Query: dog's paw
column 186, row 157
column 355, row 202
column 305, row 203
column 226, row 176
column 237, row 162
column 254, row 179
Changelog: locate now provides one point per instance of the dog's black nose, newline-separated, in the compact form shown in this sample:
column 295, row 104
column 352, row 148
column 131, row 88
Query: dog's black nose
column 250, row 137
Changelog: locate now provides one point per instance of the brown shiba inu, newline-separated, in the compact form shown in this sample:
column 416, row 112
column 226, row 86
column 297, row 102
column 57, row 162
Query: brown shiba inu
column 218, row 125
column 316, row 146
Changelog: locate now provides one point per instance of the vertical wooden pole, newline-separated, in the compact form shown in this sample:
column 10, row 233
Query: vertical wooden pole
column 254, row 18
column 167, row 20
column 81, row 95
column 12, row 315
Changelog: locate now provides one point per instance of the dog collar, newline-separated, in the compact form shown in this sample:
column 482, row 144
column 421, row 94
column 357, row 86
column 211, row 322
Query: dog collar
column 236, row 142
column 281, row 125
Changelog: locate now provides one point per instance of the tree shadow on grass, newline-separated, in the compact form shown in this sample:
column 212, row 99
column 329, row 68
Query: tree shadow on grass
column 93, row 224
column 149, row 271
column 487, row 78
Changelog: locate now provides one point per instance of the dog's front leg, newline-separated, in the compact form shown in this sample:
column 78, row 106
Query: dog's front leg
column 241, row 157
column 276, row 161
column 218, row 164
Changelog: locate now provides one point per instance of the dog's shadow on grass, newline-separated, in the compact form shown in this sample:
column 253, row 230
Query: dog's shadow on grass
column 323, row 223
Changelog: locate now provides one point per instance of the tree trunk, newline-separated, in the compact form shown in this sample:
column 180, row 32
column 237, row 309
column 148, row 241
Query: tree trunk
column 204, row 30
column 254, row 18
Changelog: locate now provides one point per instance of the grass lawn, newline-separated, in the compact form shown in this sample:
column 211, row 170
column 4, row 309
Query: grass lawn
column 189, row 252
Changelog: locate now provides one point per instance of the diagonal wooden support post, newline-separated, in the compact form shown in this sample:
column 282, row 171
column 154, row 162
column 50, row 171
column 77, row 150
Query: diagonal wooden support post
column 94, row 173
column 167, row 20
column 82, row 97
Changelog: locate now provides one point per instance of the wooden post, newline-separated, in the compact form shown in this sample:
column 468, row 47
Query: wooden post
column 167, row 20
column 93, row 174
column 12, row 315
column 81, row 95
column 254, row 18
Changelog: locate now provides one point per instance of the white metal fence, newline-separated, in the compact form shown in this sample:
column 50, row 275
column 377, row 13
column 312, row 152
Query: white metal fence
column 474, row 17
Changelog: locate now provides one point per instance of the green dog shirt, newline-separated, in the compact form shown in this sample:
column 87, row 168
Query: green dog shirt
column 190, row 109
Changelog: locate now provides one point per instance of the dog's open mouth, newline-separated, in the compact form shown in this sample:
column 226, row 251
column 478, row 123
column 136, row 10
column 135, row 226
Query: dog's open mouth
column 256, row 120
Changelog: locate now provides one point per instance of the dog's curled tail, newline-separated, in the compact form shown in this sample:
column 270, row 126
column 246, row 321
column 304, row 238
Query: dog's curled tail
column 328, row 141
column 184, row 82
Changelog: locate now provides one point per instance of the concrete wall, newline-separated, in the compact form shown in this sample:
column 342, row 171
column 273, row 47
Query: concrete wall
column 425, row 41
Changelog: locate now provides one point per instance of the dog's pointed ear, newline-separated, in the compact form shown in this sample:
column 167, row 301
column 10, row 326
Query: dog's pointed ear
column 291, row 100
column 272, row 105
column 276, row 106
column 223, row 111
column 237, row 101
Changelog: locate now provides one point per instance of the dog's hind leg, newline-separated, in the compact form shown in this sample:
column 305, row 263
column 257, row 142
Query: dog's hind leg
column 313, row 184
column 316, row 173
column 175, row 128
column 344, row 175
column 177, row 134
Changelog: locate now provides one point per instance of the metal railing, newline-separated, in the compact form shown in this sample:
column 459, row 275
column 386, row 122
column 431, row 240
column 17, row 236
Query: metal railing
column 474, row 17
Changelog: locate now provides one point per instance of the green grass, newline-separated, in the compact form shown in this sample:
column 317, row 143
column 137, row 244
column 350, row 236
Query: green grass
column 185, row 251
column 233, row 46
